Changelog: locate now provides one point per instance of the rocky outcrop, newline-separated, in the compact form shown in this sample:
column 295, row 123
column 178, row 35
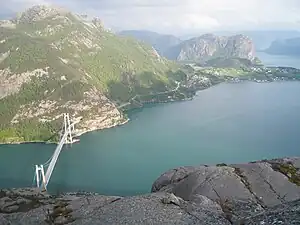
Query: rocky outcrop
column 264, row 192
column 202, row 48
column 28, row 206
column 242, row 190
column 210, row 46
column 39, row 12
column 98, row 23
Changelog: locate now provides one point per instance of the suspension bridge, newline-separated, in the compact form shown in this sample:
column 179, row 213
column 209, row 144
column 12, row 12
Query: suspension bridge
column 42, row 179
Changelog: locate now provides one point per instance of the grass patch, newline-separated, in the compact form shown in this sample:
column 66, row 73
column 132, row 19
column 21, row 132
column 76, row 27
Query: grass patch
column 288, row 170
column 60, row 210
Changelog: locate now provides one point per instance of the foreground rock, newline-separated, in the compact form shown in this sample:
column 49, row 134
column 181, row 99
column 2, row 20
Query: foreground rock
column 265, row 192
column 255, row 190
column 28, row 206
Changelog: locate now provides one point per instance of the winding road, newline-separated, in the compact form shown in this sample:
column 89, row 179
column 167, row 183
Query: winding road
column 159, row 93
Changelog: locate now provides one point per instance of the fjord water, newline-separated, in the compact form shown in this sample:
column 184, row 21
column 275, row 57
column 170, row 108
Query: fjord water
column 279, row 60
column 228, row 123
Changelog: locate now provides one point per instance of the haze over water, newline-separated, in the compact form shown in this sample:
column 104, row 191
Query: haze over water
column 228, row 123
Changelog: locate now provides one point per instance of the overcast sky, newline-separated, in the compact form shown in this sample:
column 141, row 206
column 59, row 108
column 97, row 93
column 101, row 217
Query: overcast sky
column 179, row 16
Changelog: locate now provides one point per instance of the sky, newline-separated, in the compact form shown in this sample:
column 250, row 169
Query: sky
column 178, row 16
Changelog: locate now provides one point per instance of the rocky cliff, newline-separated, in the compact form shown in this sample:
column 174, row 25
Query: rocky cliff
column 210, row 46
column 265, row 192
column 53, row 61
column 201, row 49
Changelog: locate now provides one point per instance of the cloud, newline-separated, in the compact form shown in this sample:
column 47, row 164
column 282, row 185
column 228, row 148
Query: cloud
column 180, row 16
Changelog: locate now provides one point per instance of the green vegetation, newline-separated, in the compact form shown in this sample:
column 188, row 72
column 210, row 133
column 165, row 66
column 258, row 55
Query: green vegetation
column 51, row 64
column 241, row 69
column 237, row 63
column 221, row 164
column 60, row 209
column 58, row 59
column 289, row 170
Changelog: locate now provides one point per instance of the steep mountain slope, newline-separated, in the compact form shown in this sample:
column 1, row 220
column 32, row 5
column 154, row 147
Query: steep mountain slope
column 210, row 46
column 52, row 61
column 201, row 49
column 262, row 38
column 285, row 47
column 160, row 42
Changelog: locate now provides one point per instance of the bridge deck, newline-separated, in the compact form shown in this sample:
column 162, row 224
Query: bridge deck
column 55, row 156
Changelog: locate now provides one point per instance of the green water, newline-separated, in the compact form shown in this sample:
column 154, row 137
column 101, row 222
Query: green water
column 227, row 123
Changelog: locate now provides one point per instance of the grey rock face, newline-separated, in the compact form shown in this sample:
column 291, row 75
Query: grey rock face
column 156, row 208
column 241, row 190
column 210, row 46
column 270, row 187
column 288, row 213
column 40, row 12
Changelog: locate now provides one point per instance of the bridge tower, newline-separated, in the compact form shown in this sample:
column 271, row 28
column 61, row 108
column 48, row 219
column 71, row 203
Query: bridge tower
column 42, row 178
column 68, row 128
column 40, row 174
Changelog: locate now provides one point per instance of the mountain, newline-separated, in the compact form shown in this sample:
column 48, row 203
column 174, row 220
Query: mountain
column 261, row 38
column 160, row 42
column 53, row 61
column 202, row 48
column 209, row 46
column 285, row 47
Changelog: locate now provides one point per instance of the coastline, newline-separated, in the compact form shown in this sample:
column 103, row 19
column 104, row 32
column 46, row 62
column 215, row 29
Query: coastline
column 115, row 125
column 77, row 135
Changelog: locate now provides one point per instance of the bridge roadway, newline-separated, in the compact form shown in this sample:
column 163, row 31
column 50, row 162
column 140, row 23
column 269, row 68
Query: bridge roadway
column 55, row 155
column 64, row 137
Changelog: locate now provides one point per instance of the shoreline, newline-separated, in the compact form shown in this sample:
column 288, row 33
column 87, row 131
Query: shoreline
column 75, row 136
column 128, row 120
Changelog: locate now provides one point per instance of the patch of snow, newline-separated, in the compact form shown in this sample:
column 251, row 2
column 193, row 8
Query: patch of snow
column 2, row 41
column 63, row 78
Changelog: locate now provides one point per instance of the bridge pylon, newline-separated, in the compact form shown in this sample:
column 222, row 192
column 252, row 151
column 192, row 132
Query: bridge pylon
column 42, row 178
column 68, row 128
column 40, row 174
